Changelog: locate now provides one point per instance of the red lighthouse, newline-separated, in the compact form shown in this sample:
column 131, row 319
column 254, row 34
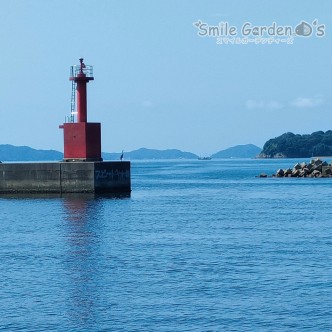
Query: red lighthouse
column 82, row 139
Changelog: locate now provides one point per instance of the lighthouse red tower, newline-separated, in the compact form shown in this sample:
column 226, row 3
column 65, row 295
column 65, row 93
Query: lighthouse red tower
column 82, row 139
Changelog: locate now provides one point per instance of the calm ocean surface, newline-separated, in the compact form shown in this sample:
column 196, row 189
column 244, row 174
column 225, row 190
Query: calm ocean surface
column 199, row 246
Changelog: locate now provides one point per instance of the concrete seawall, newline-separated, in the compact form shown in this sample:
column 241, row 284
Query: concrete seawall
column 65, row 177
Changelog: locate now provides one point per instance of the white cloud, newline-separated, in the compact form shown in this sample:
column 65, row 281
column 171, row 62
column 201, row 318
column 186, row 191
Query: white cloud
column 261, row 104
column 253, row 104
column 147, row 103
column 274, row 105
column 302, row 102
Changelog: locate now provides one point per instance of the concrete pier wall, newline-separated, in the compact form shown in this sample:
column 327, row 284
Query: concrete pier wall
column 65, row 177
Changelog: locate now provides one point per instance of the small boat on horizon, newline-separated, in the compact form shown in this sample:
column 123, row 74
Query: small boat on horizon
column 204, row 158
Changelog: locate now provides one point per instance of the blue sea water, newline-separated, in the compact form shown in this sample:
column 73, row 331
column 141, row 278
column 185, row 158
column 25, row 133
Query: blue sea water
column 198, row 246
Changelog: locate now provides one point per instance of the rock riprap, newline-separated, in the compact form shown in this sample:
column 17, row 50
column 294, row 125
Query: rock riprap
column 316, row 168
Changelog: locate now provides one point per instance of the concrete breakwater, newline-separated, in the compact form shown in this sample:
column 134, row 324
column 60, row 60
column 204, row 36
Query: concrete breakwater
column 65, row 177
column 316, row 168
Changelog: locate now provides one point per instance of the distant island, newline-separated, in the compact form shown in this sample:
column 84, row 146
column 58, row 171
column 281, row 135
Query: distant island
column 145, row 153
column 239, row 151
column 24, row 153
column 289, row 145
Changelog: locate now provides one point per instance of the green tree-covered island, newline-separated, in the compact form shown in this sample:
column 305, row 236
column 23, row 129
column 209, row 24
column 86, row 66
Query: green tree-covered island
column 291, row 145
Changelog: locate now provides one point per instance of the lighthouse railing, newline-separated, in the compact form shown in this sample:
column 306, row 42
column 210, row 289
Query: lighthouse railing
column 87, row 70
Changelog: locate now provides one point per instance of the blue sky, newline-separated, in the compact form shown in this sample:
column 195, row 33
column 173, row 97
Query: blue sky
column 157, row 83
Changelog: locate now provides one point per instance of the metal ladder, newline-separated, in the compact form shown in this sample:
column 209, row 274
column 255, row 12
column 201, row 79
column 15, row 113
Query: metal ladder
column 73, row 102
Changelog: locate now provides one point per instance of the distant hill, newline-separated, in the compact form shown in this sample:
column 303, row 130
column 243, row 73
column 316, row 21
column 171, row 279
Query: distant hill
column 112, row 155
column 291, row 145
column 25, row 153
column 239, row 151
column 144, row 153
